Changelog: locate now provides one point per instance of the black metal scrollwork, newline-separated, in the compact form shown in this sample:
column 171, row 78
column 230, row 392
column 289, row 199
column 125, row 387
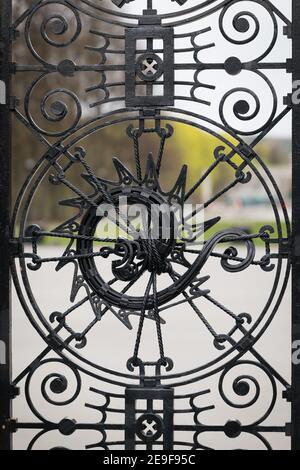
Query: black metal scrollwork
column 129, row 277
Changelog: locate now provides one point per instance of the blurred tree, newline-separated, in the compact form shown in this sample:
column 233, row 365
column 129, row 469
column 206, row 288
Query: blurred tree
column 27, row 149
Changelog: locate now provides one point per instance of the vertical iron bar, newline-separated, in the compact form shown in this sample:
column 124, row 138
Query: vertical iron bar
column 5, row 187
column 296, row 232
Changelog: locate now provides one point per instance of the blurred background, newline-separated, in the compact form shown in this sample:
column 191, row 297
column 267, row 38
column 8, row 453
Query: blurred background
column 188, row 146
column 246, row 206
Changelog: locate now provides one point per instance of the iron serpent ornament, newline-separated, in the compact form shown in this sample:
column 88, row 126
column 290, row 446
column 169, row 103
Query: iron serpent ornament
column 133, row 282
column 129, row 259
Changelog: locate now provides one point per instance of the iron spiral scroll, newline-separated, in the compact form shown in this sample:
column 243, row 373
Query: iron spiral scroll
column 132, row 282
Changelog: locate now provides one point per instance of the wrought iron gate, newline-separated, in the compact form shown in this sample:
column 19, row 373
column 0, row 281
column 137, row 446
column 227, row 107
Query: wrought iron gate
column 155, row 402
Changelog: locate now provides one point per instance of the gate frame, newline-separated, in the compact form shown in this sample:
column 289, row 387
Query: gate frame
column 5, row 207
column 6, row 392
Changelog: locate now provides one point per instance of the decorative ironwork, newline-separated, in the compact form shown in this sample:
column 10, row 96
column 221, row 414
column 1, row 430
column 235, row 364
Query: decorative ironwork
column 144, row 93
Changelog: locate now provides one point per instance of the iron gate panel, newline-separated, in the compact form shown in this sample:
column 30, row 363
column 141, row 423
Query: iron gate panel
column 153, row 402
